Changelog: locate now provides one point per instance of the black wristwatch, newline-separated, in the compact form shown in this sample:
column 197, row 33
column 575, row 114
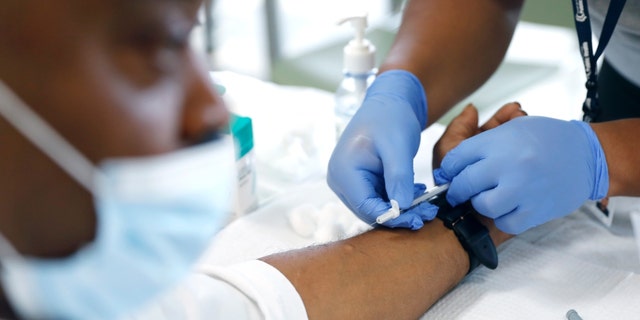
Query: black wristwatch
column 473, row 235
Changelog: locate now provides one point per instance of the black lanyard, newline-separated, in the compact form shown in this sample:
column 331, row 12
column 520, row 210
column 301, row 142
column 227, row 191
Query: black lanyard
column 591, row 106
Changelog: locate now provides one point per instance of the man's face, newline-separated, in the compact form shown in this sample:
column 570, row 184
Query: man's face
column 115, row 78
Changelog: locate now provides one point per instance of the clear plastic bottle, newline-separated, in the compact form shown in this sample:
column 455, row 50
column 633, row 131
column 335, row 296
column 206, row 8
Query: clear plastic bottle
column 349, row 96
column 359, row 73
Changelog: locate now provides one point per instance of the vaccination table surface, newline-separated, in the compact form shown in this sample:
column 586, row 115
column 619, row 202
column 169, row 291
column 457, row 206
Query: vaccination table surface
column 572, row 263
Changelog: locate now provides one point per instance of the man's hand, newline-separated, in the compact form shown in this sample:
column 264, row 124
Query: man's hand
column 465, row 125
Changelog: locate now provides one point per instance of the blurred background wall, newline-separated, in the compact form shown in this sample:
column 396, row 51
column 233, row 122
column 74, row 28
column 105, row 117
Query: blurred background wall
column 295, row 42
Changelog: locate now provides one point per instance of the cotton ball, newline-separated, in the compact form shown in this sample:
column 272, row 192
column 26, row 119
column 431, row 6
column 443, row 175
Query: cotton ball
column 330, row 210
column 325, row 231
column 339, row 219
column 303, row 220
column 349, row 223
column 358, row 227
column 344, row 215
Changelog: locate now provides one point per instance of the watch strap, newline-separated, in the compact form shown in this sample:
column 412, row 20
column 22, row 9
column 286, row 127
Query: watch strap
column 473, row 235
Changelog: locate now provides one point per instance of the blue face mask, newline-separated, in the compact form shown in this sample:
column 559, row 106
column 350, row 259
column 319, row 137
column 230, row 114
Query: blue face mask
column 155, row 216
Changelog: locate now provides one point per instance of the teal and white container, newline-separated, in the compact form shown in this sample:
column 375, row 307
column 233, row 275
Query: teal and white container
column 242, row 131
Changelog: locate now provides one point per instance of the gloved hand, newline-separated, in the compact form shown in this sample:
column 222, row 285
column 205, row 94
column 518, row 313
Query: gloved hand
column 373, row 160
column 527, row 171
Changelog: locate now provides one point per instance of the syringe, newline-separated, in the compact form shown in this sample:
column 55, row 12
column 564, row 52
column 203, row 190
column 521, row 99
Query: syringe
column 395, row 211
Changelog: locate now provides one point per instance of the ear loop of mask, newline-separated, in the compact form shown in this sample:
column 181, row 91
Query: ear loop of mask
column 47, row 139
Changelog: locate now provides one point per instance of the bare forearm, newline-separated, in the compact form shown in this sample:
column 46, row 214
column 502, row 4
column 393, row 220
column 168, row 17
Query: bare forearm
column 452, row 46
column 619, row 140
column 381, row 274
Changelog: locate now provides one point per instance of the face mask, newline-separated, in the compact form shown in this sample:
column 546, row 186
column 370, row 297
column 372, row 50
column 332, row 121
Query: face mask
column 155, row 216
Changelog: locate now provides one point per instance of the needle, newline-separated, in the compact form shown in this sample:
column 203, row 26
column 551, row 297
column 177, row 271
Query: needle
column 395, row 211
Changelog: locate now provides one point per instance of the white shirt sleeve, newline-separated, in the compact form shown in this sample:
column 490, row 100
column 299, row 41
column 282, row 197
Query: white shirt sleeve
column 248, row 290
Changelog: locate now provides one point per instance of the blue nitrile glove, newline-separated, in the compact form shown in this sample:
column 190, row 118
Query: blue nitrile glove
column 373, row 160
column 527, row 171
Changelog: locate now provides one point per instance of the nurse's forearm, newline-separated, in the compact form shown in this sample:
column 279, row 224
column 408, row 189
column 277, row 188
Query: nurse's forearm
column 452, row 46
column 621, row 144
column 381, row 274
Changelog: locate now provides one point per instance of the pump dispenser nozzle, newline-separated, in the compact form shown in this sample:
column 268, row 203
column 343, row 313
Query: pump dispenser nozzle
column 358, row 74
column 359, row 53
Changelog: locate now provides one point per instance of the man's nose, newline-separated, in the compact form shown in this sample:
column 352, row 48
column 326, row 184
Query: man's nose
column 204, row 111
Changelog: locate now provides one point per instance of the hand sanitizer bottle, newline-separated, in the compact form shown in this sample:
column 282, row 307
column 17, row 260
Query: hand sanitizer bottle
column 358, row 73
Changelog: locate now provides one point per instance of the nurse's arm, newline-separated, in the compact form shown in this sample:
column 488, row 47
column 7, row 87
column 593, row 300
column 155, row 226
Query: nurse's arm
column 619, row 140
column 452, row 46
